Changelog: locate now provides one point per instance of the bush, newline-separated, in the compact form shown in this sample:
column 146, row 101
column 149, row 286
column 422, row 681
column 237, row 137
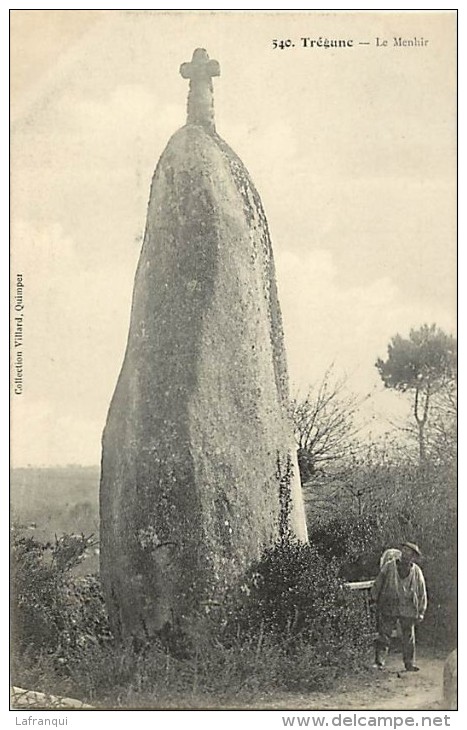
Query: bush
column 54, row 613
column 294, row 597
column 354, row 541
column 289, row 626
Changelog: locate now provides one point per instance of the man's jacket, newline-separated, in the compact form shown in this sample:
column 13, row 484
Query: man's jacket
column 396, row 596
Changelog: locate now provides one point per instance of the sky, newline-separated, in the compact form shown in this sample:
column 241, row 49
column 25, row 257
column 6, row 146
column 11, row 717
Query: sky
column 353, row 152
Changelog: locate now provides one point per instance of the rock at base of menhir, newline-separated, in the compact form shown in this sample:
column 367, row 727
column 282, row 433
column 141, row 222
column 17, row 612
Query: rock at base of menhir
column 450, row 682
column 21, row 699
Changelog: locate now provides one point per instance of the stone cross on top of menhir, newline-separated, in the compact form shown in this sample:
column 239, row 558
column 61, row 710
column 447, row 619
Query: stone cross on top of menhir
column 199, row 468
column 200, row 71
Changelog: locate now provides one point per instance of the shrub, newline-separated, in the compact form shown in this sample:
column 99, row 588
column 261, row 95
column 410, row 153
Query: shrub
column 295, row 597
column 354, row 541
column 289, row 626
column 53, row 611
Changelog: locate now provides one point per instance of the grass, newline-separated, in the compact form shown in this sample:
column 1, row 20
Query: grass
column 215, row 676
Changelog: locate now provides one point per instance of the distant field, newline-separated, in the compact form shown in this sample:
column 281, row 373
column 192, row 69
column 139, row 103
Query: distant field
column 53, row 501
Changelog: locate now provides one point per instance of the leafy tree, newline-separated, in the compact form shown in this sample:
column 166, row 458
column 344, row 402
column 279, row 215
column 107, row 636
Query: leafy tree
column 423, row 364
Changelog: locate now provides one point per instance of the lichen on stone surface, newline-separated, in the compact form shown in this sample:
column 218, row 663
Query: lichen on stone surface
column 198, row 414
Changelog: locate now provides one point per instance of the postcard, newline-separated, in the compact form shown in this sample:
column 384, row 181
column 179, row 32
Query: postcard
column 233, row 360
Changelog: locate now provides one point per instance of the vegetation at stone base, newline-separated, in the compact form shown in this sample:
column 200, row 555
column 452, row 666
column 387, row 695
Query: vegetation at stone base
column 295, row 594
column 289, row 626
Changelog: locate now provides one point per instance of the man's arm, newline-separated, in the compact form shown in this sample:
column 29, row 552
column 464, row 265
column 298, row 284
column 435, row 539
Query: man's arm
column 421, row 594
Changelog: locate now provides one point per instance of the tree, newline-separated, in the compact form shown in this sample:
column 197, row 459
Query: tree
column 441, row 436
column 424, row 364
column 324, row 423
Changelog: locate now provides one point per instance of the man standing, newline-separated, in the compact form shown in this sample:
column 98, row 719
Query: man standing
column 400, row 595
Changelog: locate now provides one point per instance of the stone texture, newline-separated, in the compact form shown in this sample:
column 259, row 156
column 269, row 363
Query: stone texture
column 189, row 486
column 450, row 681
column 30, row 699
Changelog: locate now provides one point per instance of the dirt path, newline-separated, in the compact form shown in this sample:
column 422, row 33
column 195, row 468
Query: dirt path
column 391, row 689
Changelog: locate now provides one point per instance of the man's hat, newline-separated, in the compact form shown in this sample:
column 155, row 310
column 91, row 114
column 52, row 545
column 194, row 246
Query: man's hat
column 412, row 546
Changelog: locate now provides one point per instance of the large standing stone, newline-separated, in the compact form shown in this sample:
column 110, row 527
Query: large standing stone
column 198, row 421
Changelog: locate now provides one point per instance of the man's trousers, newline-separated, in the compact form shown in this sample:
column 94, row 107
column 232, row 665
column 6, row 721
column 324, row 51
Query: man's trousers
column 386, row 625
